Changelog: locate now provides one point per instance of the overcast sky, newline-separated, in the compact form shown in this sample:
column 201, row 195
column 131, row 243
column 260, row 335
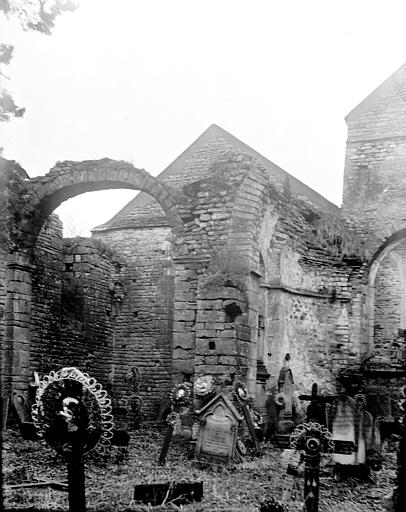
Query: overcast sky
column 141, row 80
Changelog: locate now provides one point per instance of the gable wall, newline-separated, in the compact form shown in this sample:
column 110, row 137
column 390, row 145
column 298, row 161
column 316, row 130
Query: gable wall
column 375, row 163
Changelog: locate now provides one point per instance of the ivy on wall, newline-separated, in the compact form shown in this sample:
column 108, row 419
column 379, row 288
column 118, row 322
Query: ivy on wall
column 333, row 235
column 224, row 270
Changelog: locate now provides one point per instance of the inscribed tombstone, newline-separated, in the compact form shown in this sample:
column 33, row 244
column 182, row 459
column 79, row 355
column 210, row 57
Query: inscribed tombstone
column 219, row 421
column 342, row 427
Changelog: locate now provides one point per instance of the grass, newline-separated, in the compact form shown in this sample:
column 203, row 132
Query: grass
column 110, row 479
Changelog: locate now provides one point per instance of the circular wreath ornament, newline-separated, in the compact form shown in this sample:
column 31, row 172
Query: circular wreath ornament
column 360, row 400
column 240, row 392
column 180, row 394
column 313, row 438
column 279, row 400
column 204, row 386
column 256, row 418
column 173, row 418
column 133, row 378
column 68, row 402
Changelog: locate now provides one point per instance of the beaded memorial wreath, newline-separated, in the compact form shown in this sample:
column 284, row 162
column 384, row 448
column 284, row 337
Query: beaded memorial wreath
column 181, row 394
column 303, row 434
column 69, row 401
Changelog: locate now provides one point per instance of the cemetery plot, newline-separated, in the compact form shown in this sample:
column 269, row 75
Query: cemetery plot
column 110, row 483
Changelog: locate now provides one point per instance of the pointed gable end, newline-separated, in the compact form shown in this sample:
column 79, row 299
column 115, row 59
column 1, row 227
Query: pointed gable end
column 382, row 114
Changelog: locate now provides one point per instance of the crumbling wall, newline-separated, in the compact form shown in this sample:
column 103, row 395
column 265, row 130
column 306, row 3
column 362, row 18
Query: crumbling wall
column 310, row 295
column 90, row 277
column 12, row 209
column 72, row 304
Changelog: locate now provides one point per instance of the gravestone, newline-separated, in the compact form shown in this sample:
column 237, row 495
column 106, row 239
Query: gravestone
column 23, row 411
column 372, row 442
column 342, row 427
column 360, row 419
column 217, row 438
column 284, row 404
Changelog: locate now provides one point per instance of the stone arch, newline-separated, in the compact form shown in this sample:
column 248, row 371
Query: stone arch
column 244, row 218
column 251, row 227
column 381, row 254
column 69, row 179
column 41, row 195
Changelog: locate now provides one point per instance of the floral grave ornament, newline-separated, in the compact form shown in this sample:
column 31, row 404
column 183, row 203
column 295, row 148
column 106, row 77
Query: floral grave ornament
column 308, row 435
column 204, row 386
column 69, row 402
column 313, row 439
column 240, row 392
column 173, row 418
column 180, row 394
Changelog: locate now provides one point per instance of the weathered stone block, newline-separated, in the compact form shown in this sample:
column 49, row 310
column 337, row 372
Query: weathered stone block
column 186, row 315
column 183, row 340
column 180, row 353
column 184, row 366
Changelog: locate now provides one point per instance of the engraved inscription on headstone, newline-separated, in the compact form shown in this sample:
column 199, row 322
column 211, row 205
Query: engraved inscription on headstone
column 342, row 426
column 219, row 421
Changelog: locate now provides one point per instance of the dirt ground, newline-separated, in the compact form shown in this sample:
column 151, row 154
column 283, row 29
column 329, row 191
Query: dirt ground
column 110, row 479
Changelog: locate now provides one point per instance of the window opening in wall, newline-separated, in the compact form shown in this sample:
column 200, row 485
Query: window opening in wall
column 232, row 310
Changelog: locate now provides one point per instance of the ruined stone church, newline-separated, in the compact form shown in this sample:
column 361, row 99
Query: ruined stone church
column 224, row 264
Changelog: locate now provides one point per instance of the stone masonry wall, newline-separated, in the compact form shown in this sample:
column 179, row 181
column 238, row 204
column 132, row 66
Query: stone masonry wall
column 142, row 328
column 46, row 349
column 373, row 203
column 11, row 183
column 72, row 304
column 90, row 272
column 222, row 333
column 374, row 176
column 387, row 314
column 313, row 301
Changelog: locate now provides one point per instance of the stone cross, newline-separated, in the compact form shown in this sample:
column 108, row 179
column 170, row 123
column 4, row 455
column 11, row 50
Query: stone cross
column 171, row 420
column 62, row 418
column 313, row 439
column 77, row 421
column 241, row 394
column 179, row 396
column 316, row 408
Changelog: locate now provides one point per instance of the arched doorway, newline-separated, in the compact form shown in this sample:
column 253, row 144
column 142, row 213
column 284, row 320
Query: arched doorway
column 42, row 195
column 387, row 303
